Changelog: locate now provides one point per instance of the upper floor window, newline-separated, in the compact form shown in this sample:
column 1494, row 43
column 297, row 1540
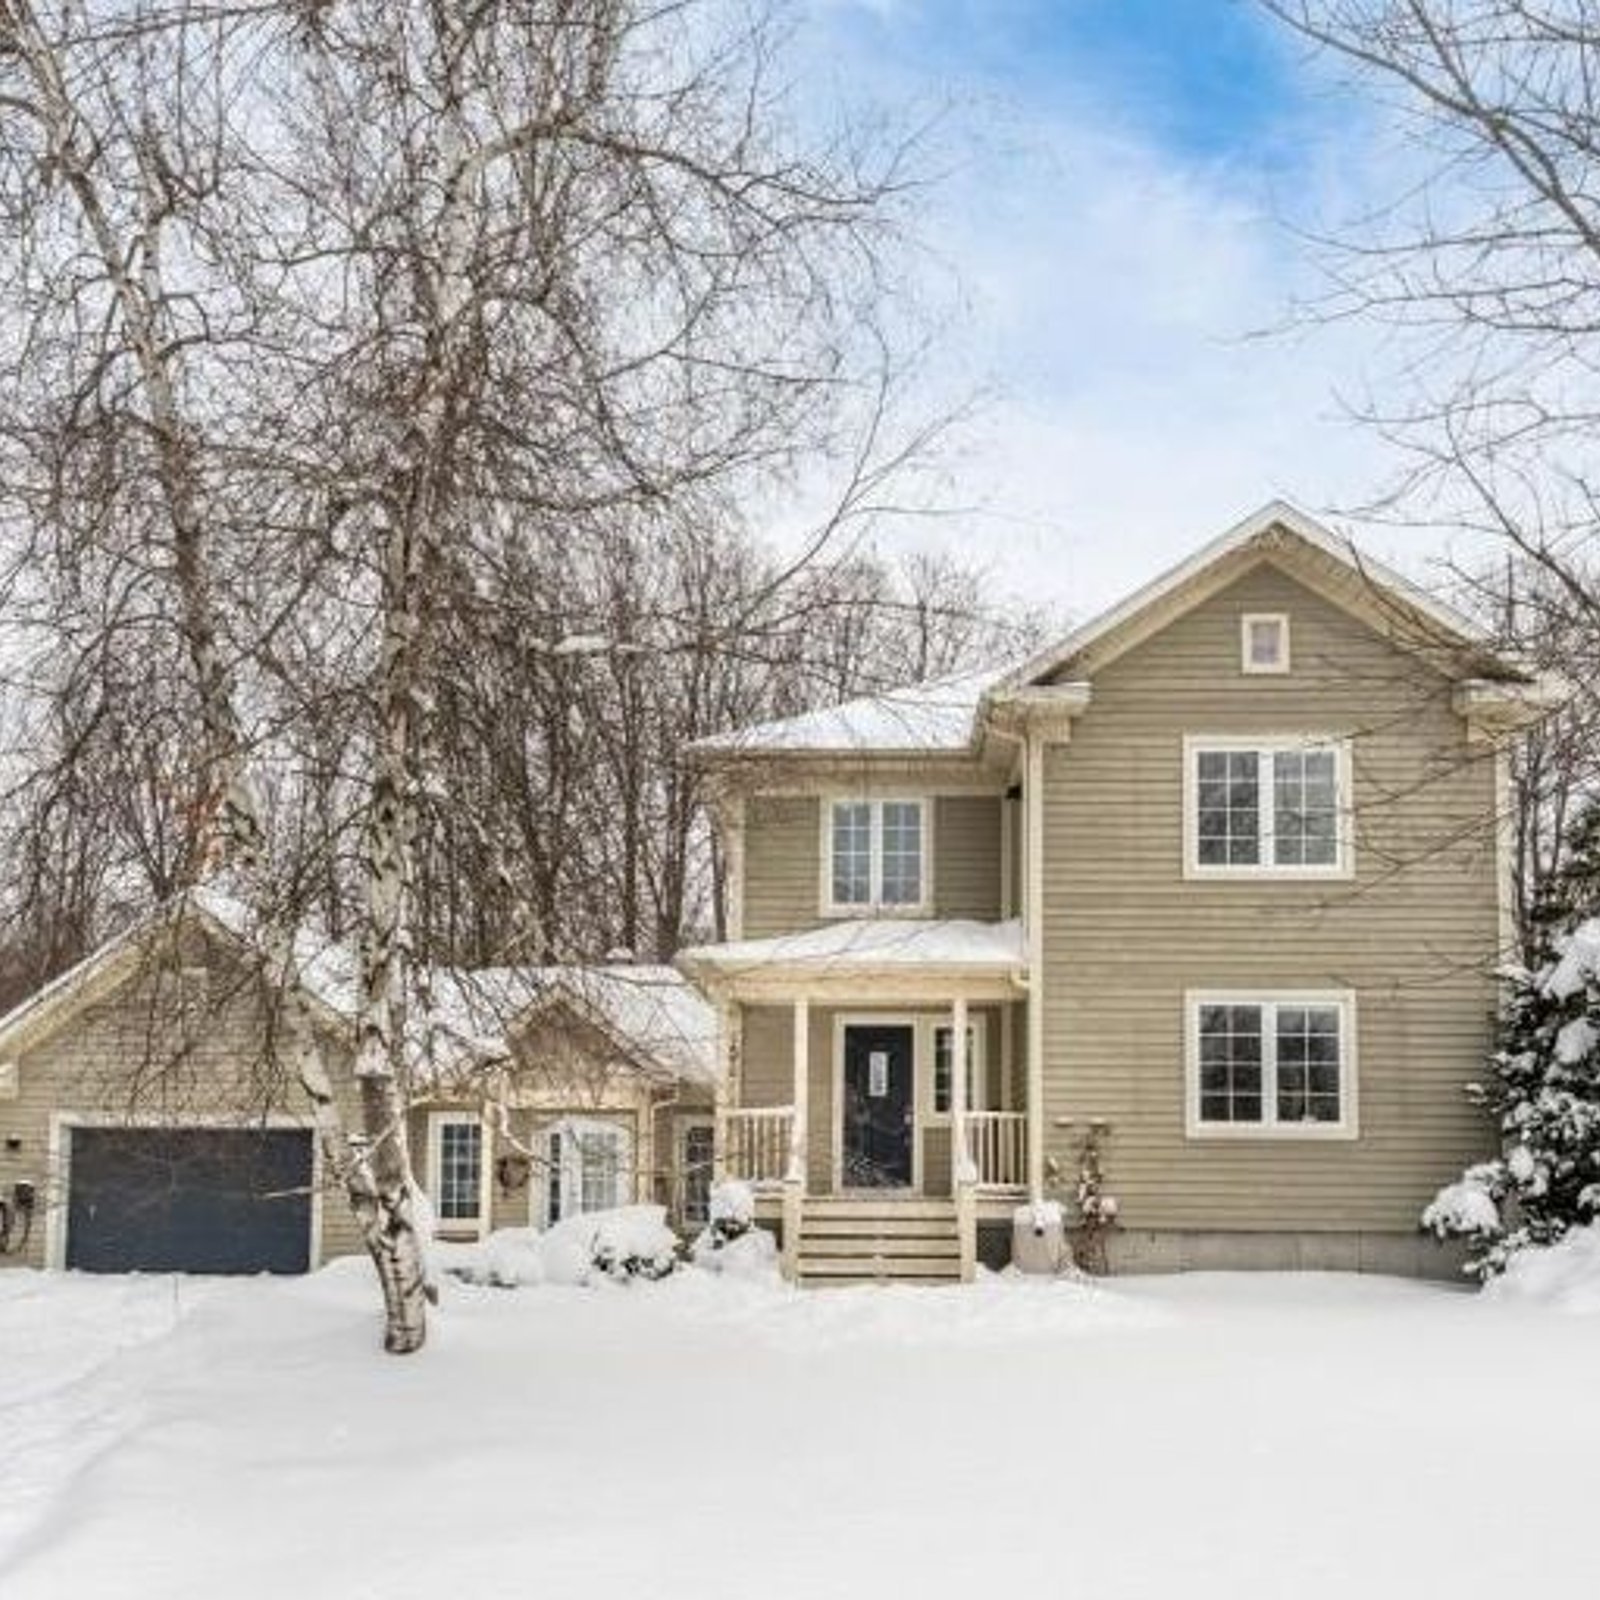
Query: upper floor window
column 1264, row 641
column 1271, row 1064
column 876, row 855
column 1266, row 806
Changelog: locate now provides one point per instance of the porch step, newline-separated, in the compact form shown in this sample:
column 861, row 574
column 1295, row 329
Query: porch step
column 868, row 1240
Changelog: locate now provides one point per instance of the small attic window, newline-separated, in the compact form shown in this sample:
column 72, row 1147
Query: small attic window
column 1264, row 640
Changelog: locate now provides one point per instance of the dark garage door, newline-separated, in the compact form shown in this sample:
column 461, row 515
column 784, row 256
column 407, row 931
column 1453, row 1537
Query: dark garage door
column 189, row 1200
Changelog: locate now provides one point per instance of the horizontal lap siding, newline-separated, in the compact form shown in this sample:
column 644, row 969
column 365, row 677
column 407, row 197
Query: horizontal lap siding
column 966, row 857
column 767, row 1079
column 1125, row 934
column 122, row 1057
column 783, row 862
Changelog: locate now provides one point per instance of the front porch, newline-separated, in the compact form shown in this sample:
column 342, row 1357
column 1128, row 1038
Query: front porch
column 875, row 1090
column 877, row 1132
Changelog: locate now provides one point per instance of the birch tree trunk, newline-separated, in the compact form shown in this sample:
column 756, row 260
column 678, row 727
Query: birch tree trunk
column 231, row 834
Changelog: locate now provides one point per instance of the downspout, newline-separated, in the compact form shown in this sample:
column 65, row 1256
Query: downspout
column 1033, row 925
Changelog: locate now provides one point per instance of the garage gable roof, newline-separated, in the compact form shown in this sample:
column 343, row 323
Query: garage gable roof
column 105, row 969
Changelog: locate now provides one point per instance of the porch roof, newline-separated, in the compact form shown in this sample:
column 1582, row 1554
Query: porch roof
column 898, row 948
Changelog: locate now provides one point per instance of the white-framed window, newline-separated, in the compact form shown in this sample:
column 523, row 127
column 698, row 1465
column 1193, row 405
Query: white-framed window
column 458, row 1171
column 939, row 1087
column 588, row 1167
column 1267, row 807
column 875, row 856
column 1279, row 1064
column 1264, row 642
column 696, row 1151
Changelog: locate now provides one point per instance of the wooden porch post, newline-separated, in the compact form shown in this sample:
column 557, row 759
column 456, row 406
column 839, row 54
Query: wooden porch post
column 726, row 1090
column 1033, row 919
column 794, row 1187
column 963, row 1175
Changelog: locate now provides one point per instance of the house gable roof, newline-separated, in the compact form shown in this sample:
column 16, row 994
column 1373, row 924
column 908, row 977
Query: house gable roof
column 1284, row 535
column 945, row 718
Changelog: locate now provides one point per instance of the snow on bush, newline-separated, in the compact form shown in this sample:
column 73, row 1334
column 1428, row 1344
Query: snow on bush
column 629, row 1242
column 752, row 1254
column 1464, row 1209
column 731, row 1243
column 1543, row 1083
column 733, row 1206
column 1563, row 1276
column 634, row 1242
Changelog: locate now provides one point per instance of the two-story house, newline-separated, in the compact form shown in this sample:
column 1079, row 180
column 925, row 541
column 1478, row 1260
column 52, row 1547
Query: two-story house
column 1219, row 882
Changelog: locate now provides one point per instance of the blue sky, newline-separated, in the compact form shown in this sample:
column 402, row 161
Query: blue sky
column 1208, row 77
column 1115, row 229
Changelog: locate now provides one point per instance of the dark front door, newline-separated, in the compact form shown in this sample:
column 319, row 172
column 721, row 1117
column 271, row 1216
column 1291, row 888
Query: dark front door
column 879, row 1122
column 189, row 1200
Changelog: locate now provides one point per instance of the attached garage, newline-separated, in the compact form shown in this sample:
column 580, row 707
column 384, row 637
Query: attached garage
column 227, row 1200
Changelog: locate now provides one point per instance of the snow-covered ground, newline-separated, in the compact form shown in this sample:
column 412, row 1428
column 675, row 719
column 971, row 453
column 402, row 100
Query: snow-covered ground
column 711, row 1437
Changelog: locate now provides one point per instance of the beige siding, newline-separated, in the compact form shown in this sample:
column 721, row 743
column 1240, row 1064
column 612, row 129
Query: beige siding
column 1126, row 935
column 783, row 861
column 125, row 1055
column 767, row 1078
column 128, row 1055
column 564, row 1066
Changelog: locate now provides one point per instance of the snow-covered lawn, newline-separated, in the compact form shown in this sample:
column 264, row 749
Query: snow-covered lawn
column 702, row 1437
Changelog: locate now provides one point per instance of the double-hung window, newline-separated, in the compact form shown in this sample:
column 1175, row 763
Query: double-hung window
column 875, row 856
column 1258, row 807
column 1281, row 1064
column 456, row 1141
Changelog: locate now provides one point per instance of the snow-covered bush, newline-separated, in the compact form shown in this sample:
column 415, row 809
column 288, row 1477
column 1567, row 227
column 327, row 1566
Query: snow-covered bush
column 1565, row 1276
column 630, row 1242
column 732, row 1208
column 1543, row 1085
column 751, row 1254
column 634, row 1242
column 731, row 1243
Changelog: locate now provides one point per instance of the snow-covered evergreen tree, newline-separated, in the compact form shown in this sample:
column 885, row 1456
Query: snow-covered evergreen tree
column 1543, row 1086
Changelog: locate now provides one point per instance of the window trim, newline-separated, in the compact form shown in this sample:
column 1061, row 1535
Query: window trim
column 1348, row 1126
column 619, row 1124
column 1268, row 744
column 683, row 1125
column 1256, row 669
column 977, row 1026
column 438, row 1121
column 874, row 906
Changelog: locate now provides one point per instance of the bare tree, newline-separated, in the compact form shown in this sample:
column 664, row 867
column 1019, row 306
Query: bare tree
column 1484, row 262
column 323, row 319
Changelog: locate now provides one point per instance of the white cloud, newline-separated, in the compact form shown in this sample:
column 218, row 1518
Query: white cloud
column 1111, row 288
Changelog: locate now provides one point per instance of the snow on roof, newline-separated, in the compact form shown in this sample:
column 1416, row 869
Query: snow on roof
column 458, row 1015
column 937, row 715
column 651, row 1009
column 1276, row 514
column 873, row 943
column 940, row 715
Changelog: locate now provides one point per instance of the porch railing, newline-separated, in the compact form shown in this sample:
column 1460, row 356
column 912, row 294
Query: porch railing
column 997, row 1146
column 756, row 1142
